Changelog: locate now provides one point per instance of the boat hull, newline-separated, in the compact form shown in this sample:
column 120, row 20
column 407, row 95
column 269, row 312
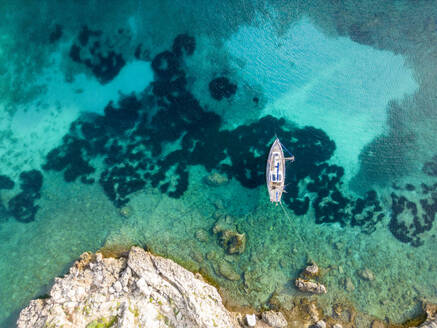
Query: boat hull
column 275, row 172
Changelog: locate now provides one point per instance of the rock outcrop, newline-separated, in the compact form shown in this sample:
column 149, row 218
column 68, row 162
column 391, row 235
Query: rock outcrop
column 429, row 324
column 274, row 319
column 232, row 241
column 310, row 286
column 311, row 271
column 305, row 282
column 144, row 290
column 431, row 316
column 216, row 179
column 140, row 290
column 137, row 290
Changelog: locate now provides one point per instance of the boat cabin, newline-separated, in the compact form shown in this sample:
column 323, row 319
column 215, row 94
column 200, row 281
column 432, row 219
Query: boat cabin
column 276, row 169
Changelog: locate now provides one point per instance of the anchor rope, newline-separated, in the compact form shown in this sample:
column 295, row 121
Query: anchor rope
column 286, row 149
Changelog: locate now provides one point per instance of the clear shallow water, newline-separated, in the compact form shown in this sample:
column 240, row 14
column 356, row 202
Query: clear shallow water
column 319, row 66
column 334, row 84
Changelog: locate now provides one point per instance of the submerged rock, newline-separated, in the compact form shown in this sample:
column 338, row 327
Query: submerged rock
column 227, row 271
column 197, row 256
column 216, row 179
column 274, row 319
column 311, row 270
column 202, row 235
column 126, row 211
column 377, row 324
column 348, row 284
column 140, row 290
column 305, row 282
column 232, row 241
column 310, row 286
column 366, row 274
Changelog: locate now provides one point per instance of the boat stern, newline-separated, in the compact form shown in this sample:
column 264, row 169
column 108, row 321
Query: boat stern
column 275, row 195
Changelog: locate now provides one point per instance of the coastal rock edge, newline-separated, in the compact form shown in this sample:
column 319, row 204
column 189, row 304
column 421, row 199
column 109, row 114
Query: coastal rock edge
column 140, row 290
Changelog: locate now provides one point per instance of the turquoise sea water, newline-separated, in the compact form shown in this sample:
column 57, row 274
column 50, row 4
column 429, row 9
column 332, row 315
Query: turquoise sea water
column 113, row 116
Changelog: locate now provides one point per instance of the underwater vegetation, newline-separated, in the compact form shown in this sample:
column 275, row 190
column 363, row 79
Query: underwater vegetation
column 430, row 167
column 221, row 87
column 154, row 138
column 88, row 50
column 56, row 33
column 409, row 219
column 133, row 146
column 22, row 206
column 6, row 182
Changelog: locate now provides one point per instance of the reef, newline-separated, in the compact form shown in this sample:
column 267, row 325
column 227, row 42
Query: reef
column 221, row 87
column 90, row 49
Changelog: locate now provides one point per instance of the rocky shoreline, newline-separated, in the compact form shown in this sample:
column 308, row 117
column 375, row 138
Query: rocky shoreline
column 140, row 289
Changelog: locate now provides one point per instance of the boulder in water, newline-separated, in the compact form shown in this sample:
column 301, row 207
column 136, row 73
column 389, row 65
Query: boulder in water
column 310, row 286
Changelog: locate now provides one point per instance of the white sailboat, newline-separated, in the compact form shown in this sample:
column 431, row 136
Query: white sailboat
column 275, row 171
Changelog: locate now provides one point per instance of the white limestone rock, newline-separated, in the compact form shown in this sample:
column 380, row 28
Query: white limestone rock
column 251, row 320
column 431, row 316
column 117, row 286
column 127, row 317
column 429, row 324
column 143, row 287
column 320, row 324
column 147, row 291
